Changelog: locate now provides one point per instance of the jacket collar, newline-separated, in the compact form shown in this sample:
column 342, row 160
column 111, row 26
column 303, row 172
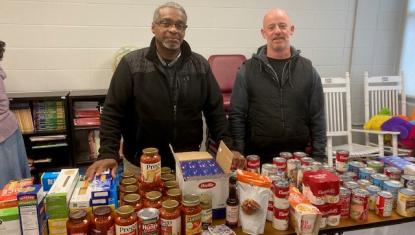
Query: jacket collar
column 186, row 51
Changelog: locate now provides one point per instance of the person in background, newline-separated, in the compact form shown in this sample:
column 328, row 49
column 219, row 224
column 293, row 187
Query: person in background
column 13, row 158
column 157, row 97
column 277, row 102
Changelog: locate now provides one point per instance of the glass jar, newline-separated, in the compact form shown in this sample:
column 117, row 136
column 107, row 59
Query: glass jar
column 125, row 220
column 150, row 163
column 166, row 170
column 129, row 189
column 133, row 200
column 191, row 215
column 175, row 194
column 167, row 177
column 78, row 223
column 127, row 174
column 169, row 185
column 153, row 200
column 170, row 218
column 206, row 205
column 102, row 221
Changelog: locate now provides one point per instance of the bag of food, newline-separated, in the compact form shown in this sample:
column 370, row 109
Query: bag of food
column 253, row 190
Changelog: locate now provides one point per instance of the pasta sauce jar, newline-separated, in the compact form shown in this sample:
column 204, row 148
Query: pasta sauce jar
column 78, row 223
column 191, row 215
column 102, row 222
column 150, row 163
column 170, row 218
column 153, row 199
column 134, row 201
column 125, row 221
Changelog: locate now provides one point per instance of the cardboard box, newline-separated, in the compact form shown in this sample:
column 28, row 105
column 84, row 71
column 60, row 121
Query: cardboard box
column 32, row 210
column 81, row 197
column 8, row 195
column 101, row 186
column 57, row 226
column 59, row 195
column 47, row 179
column 9, row 218
column 218, row 183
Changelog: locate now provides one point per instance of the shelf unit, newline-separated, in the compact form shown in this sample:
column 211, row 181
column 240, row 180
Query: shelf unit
column 47, row 142
column 85, row 135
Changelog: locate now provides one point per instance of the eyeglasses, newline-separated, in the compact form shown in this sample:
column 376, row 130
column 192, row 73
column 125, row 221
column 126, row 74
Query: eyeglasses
column 167, row 24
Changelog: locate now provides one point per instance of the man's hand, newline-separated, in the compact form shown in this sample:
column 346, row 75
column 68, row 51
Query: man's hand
column 238, row 161
column 100, row 166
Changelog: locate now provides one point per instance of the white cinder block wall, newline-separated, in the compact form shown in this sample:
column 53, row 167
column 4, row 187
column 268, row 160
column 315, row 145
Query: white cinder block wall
column 69, row 44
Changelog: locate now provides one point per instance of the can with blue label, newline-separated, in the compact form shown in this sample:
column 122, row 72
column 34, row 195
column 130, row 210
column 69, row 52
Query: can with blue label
column 354, row 166
column 393, row 187
column 376, row 165
column 378, row 179
column 364, row 173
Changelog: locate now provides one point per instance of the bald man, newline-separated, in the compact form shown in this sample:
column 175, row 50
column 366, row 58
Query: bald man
column 277, row 103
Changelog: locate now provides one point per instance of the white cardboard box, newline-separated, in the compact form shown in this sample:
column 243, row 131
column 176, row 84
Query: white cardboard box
column 216, row 185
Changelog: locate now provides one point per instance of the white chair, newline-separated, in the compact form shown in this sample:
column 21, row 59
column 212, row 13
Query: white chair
column 338, row 120
column 385, row 92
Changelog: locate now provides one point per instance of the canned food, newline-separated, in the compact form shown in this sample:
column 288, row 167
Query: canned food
column 411, row 185
column 316, row 165
column 299, row 155
column 345, row 195
column 373, row 193
column 351, row 185
column 392, row 172
column 363, row 183
column 148, row 221
column 378, row 179
column 269, row 169
column 306, row 161
column 359, row 205
column 376, row 165
column 407, row 178
column 293, row 166
column 406, row 202
column 354, row 166
column 352, row 175
column 300, row 174
column 364, row 173
column 286, row 155
column 328, row 168
column 280, row 163
column 384, row 204
column 281, row 189
column 280, row 220
column 253, row 163
column 342, row 157
column 393, row 187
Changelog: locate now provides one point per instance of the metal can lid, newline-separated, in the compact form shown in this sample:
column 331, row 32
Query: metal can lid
column 130, row 188
column 125, row 210
column 150, row 151
column 379, row 176
column 167, row 177
column 408, row 177
column 342, row 152
column 367, row 170
column 148, row 213
column 351, row 184
column 363, row 182
column 407, row 191
column 174, row 192
column 132, row 197
column 170, row 204
column 375, row 163
column 252, row 157
column 372, row 189
column 128, row 174
column 393, row 183
column 153, row 195
column 360, row 192
column 102, row 210
column 300, row 154
column 279, row 159
column 357, row 164
column 77, row 214
column 345, row 191
column 171, row 184
column 269, row 167
column 191, row 200
column 385, row 194
column 286, row 155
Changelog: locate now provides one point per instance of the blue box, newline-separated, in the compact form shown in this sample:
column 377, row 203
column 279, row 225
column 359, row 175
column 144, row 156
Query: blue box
column 47, row 179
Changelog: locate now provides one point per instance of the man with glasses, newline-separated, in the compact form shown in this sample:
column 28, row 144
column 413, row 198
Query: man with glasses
column 277, row 102
column 157, row 96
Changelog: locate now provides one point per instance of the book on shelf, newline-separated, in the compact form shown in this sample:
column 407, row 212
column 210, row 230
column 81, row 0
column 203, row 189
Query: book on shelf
column 24, row 116
column 90, row 121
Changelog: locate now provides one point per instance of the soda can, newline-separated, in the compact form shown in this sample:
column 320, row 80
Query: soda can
column 342, row 157
column 373, row 192
column 363, row 183
column 376, row 165
column 280, row 163
column 392, row 172
column 286, row 155
column 299, row 155
column 354, row 166
column 269, row 169
column 253, row 163
column 359, row 205
column 364, row 173
column 345, row 195
column 378, row 179
column 384, row 204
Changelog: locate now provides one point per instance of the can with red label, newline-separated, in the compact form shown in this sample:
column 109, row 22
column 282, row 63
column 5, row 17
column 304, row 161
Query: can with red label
column 306, row 161
column 384, row 204
column 281, row 163
column 280, row 220
column 253, row 163
column 299, row 155
column 280, row 194
column 359, row 205
column 149, row 223
column 286, row 155
column 342, row 157
column 392, row 172
column 344, row 201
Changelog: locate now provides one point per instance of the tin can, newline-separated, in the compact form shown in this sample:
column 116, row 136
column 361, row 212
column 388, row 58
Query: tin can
column 286, row 155
column 352, row 175
column 363, row 183
column 316, row 165
column 407, row 178
column 269, row 169
column 359, row 208
column 364, row 173
column 293, row 166
column 148, row 221
column 342, row 157
column 300, row 174
column 281, row 189
column 345, row 195
column 299, row 155
column 280, row 163
column 376, row 165
column 378, row 179
column 280, row 220
column 351, row 185
column 253, row 163
column 306, row 161
column 393, row 187
column 406, row 202
column 328, row 168
column 411, row 185
column 392, row 172
column 384, row 204
column 354, row 166
column 373, row 193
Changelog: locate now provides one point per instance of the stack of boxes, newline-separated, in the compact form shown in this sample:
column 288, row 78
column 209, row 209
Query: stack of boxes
column 32, row 210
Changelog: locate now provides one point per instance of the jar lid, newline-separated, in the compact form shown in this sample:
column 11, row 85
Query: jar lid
column 171, row 184
column 125, row 210
column 191, row 200
column 165, row 170
column 129, row 181
column 132, row 197
column 77, row 214
column 102, row 210
column 167, row 177
column 174, row 192
column 128, row 174
column 150, row 151
column 170, row 204
column 131, row 188
column 153, row 195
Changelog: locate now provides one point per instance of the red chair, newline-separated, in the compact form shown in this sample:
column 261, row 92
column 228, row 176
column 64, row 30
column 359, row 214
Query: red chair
column 224, row 67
